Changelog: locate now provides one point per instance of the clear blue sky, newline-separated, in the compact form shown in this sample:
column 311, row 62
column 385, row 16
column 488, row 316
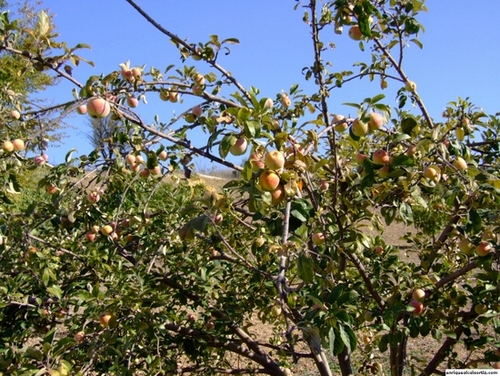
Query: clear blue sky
column 460, row 56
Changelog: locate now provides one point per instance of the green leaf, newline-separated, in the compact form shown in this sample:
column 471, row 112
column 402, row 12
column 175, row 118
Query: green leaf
column 345, row 337
column 408, row 124
column 331, row 340
column 305, row 268
column 475, row 223
column 56, row 291
column 231, row 40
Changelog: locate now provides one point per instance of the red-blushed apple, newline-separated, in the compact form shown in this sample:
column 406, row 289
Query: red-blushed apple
column 132, row 102
column 384, row 172
column 359, row 128
column 239, row 147
column 418, row 307
column 90, row 236
column 359, row 158
column 460, row 164
column 79, row 336
column 418, row 295
column 18, row 144
column 15, row 114
column 136, row 72
column 323, row 185
column 268, row 103
column 39, row 160
column 144, row 173
column 318, row 238
column 256, row 162
column 127, row 75
column 269, row 180
column 496, row 365
column 106, row 319
column 218, row 218
column 433, row 172
column 285, row 100
column 107, row 230
column 483, row 249
column 156, row 170
column 411, row 86
column 376, row 122
column 130, row 159
column 378, row 250
column 380, row 157
column 7, row 146
column 173, row 96
column 98, row 107
column 93, row 196
column 411, row 151
column 355, row 33
column 163, row 155
column 50, row 189
column 197, row 111
column 82, row 109
column 278, row 195
column 274, row 160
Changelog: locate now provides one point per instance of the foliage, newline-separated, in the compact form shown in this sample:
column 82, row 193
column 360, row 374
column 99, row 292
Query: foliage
column 121, row 266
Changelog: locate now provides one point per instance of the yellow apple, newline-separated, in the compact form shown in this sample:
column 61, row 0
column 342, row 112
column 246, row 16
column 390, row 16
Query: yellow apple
column 106, row 319
column 7, row 146
column 433, row 172
column 465, row 246
column 107, row 230
column 418, row 294
column 411, row 86
column 274, row 160
column 460, row 164
column 359, row 128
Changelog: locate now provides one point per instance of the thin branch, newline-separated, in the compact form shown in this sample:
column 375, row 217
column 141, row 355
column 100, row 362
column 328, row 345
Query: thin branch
column 189, row 47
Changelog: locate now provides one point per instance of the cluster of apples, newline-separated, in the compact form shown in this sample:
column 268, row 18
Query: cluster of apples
column 270, row 167
column 417, row 296
column 14, row 145
column 96, row 107
column 130, row 74
column 136, row 161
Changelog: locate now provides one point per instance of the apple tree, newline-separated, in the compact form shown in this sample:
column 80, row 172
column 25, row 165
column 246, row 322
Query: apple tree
column 133, row 265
